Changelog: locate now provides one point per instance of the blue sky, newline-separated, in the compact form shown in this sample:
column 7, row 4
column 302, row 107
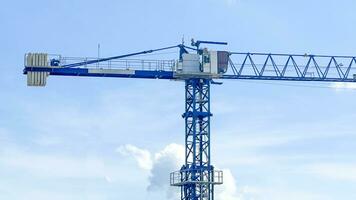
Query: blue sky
column 96, row 138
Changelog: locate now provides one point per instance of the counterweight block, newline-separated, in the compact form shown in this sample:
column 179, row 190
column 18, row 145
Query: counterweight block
column 36, row 60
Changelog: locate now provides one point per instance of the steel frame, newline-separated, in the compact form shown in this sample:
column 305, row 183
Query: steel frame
column 252, row 66
column 197, row 174
column 301, row 67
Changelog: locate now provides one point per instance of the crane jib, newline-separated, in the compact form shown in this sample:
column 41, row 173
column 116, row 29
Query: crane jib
column 203, row 63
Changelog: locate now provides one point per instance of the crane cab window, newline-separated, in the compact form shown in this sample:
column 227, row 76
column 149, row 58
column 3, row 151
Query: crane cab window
column 206, row 58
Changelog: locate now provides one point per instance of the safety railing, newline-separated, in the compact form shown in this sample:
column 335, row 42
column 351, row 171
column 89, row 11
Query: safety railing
column 129, row 64
column 179, row 178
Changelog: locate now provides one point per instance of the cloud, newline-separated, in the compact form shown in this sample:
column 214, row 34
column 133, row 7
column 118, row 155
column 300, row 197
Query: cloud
column 171, row 159
column 166, row 161
column 228, row 191
column 143, row 157
column 160, row 165
column 344, row 86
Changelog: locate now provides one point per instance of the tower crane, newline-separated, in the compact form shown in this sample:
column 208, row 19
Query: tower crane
column 198, row 68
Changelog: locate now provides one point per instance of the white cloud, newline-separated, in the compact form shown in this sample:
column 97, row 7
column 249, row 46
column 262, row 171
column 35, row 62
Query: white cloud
column 160, row 165
column 166, row 161
column 344, row 86
column 171, row 159
column 228, row 191
column 143, row 157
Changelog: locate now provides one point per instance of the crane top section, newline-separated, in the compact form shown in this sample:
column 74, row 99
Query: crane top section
column 195, row 62
column 202, row 64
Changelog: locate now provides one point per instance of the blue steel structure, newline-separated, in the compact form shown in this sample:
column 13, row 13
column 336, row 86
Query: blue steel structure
column 279, row 67
column 197, row 177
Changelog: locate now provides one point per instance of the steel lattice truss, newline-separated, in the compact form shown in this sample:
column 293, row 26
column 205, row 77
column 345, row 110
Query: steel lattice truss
column 197, row 159
column 197, row 177
column 292, row 67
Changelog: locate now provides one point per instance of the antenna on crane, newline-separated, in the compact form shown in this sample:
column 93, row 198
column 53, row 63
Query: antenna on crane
column 98, row 55
column 98, row 50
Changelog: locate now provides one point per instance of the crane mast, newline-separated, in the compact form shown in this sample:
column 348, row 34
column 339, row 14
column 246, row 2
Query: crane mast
column 197, row 69
column 197, row 176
